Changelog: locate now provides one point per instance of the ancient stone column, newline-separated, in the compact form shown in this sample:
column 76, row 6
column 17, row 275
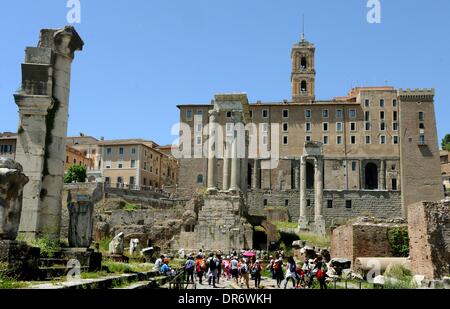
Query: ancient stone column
column 303, row 222
column 12, row 181
column 296, row 184
column 212, row 158
column 319, row 222
column 383, row 175
column 226, row 167
column 255, row 173
column 43, row 106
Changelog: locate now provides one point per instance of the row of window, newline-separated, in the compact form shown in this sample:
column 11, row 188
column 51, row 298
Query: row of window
column 6, row 148
column 383, row 140
column 382, row 103
column 120, row 164
column 120, row 181
column 109, row 151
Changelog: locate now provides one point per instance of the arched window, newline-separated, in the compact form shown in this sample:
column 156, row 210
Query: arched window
column 371, row 176
column 200, row 179
column 303, row 87
column 303, row 63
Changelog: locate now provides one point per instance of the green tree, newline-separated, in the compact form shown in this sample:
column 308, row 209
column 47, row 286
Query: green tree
column 75, row 173
column 446, row 142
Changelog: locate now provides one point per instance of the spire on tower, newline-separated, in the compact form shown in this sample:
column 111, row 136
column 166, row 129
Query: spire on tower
column 303, row 27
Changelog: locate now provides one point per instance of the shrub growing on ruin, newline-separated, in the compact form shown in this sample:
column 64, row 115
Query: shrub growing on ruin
column 399, row 241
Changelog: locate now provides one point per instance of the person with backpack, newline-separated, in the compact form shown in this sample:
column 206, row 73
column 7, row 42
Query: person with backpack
column 200, row 268
column 235, row 269
column 291, row 272
column 278, row 269
column 256, row 273
column 270, row 267
column 244, row 270
column 189, row 269
column 212, row 265
column 321, row 274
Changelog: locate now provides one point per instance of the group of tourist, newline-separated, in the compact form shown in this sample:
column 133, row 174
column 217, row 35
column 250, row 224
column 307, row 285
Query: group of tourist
column 302, row 276
column 243, row 269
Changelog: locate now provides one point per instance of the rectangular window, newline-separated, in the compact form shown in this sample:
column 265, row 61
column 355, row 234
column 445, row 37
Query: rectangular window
column 353, row 126
column 339, row 113
column 329, row 203
column 338, row 126
column 285, row 140
column 394, row 103
column 107, row 180
column 285, row 113
column 251, row 114
column 368, row 126
column 382, row 103
column 120, row 164
column 348, row 204
column 368, row 140
column 308, row 113
column 308, row 138
column 395, row 140
column 367, row 116
column 133, row 151
column 286, row 203
column 308, row 127
column 353, row 140
column 265, row 127
column 265, row 113
column 131, row 180
column 228, row 114
column 121, row 151
column 265, row 202
column 339, row 139
column 285, row 127
column 133, row 163
column 352, row 113
column 325, row 113
column 422, row 139
column 383, row 139
column 367, row 103
column 325, row 139
column 265, row 140
column 198, row 140
column 395, row 126
column 308, row 203
column 421, row 116
column 354, row 166
column 200, row 113
column 189, row 114
column 325, row 126
column 394, row 184
column 145, row 166
column 395, row 116
column 382, row 115
column 108, row 151
column 382, row 126
column 199, row 128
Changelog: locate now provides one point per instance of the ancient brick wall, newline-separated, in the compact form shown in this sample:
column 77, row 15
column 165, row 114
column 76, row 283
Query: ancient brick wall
column 429, row 233
column 362, row 239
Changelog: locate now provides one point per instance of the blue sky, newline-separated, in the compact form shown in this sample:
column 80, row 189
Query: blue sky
column 143, row 57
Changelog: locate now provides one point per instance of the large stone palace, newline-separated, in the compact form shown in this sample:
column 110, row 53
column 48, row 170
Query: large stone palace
column 372, row 152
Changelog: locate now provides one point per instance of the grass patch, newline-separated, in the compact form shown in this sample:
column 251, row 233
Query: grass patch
column 285, row 225
column 7, row 283
column 49, row 246
column 130, row 207
column 401, row 278
column 315, row 240
column 104, row 244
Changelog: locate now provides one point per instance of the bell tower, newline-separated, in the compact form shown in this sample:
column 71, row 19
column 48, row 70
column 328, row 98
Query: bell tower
column 303, row 77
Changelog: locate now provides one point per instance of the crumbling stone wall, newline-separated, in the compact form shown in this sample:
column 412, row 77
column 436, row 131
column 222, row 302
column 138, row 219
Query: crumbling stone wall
column 363, row 238
column 429, row 232
column 379, row 204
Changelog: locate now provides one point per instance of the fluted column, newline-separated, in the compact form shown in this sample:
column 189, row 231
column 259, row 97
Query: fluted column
column 212, row 160
column 303, row 222
column 226, row 167
column 296, row 184
column 234, row 166
column 318, row 187
column 255, row 174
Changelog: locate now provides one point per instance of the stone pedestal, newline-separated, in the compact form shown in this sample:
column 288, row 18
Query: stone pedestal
column 18, row 260
column 319, row 226
column 303, row 224
column 81, row 212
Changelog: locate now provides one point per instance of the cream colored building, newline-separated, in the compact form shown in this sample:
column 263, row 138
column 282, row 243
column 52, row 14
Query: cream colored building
column 8, row 142
column 137, row 164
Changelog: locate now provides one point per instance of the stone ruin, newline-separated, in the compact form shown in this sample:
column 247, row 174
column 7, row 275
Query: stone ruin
column 429, row 233
column 16, row 257
column 43, row 102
